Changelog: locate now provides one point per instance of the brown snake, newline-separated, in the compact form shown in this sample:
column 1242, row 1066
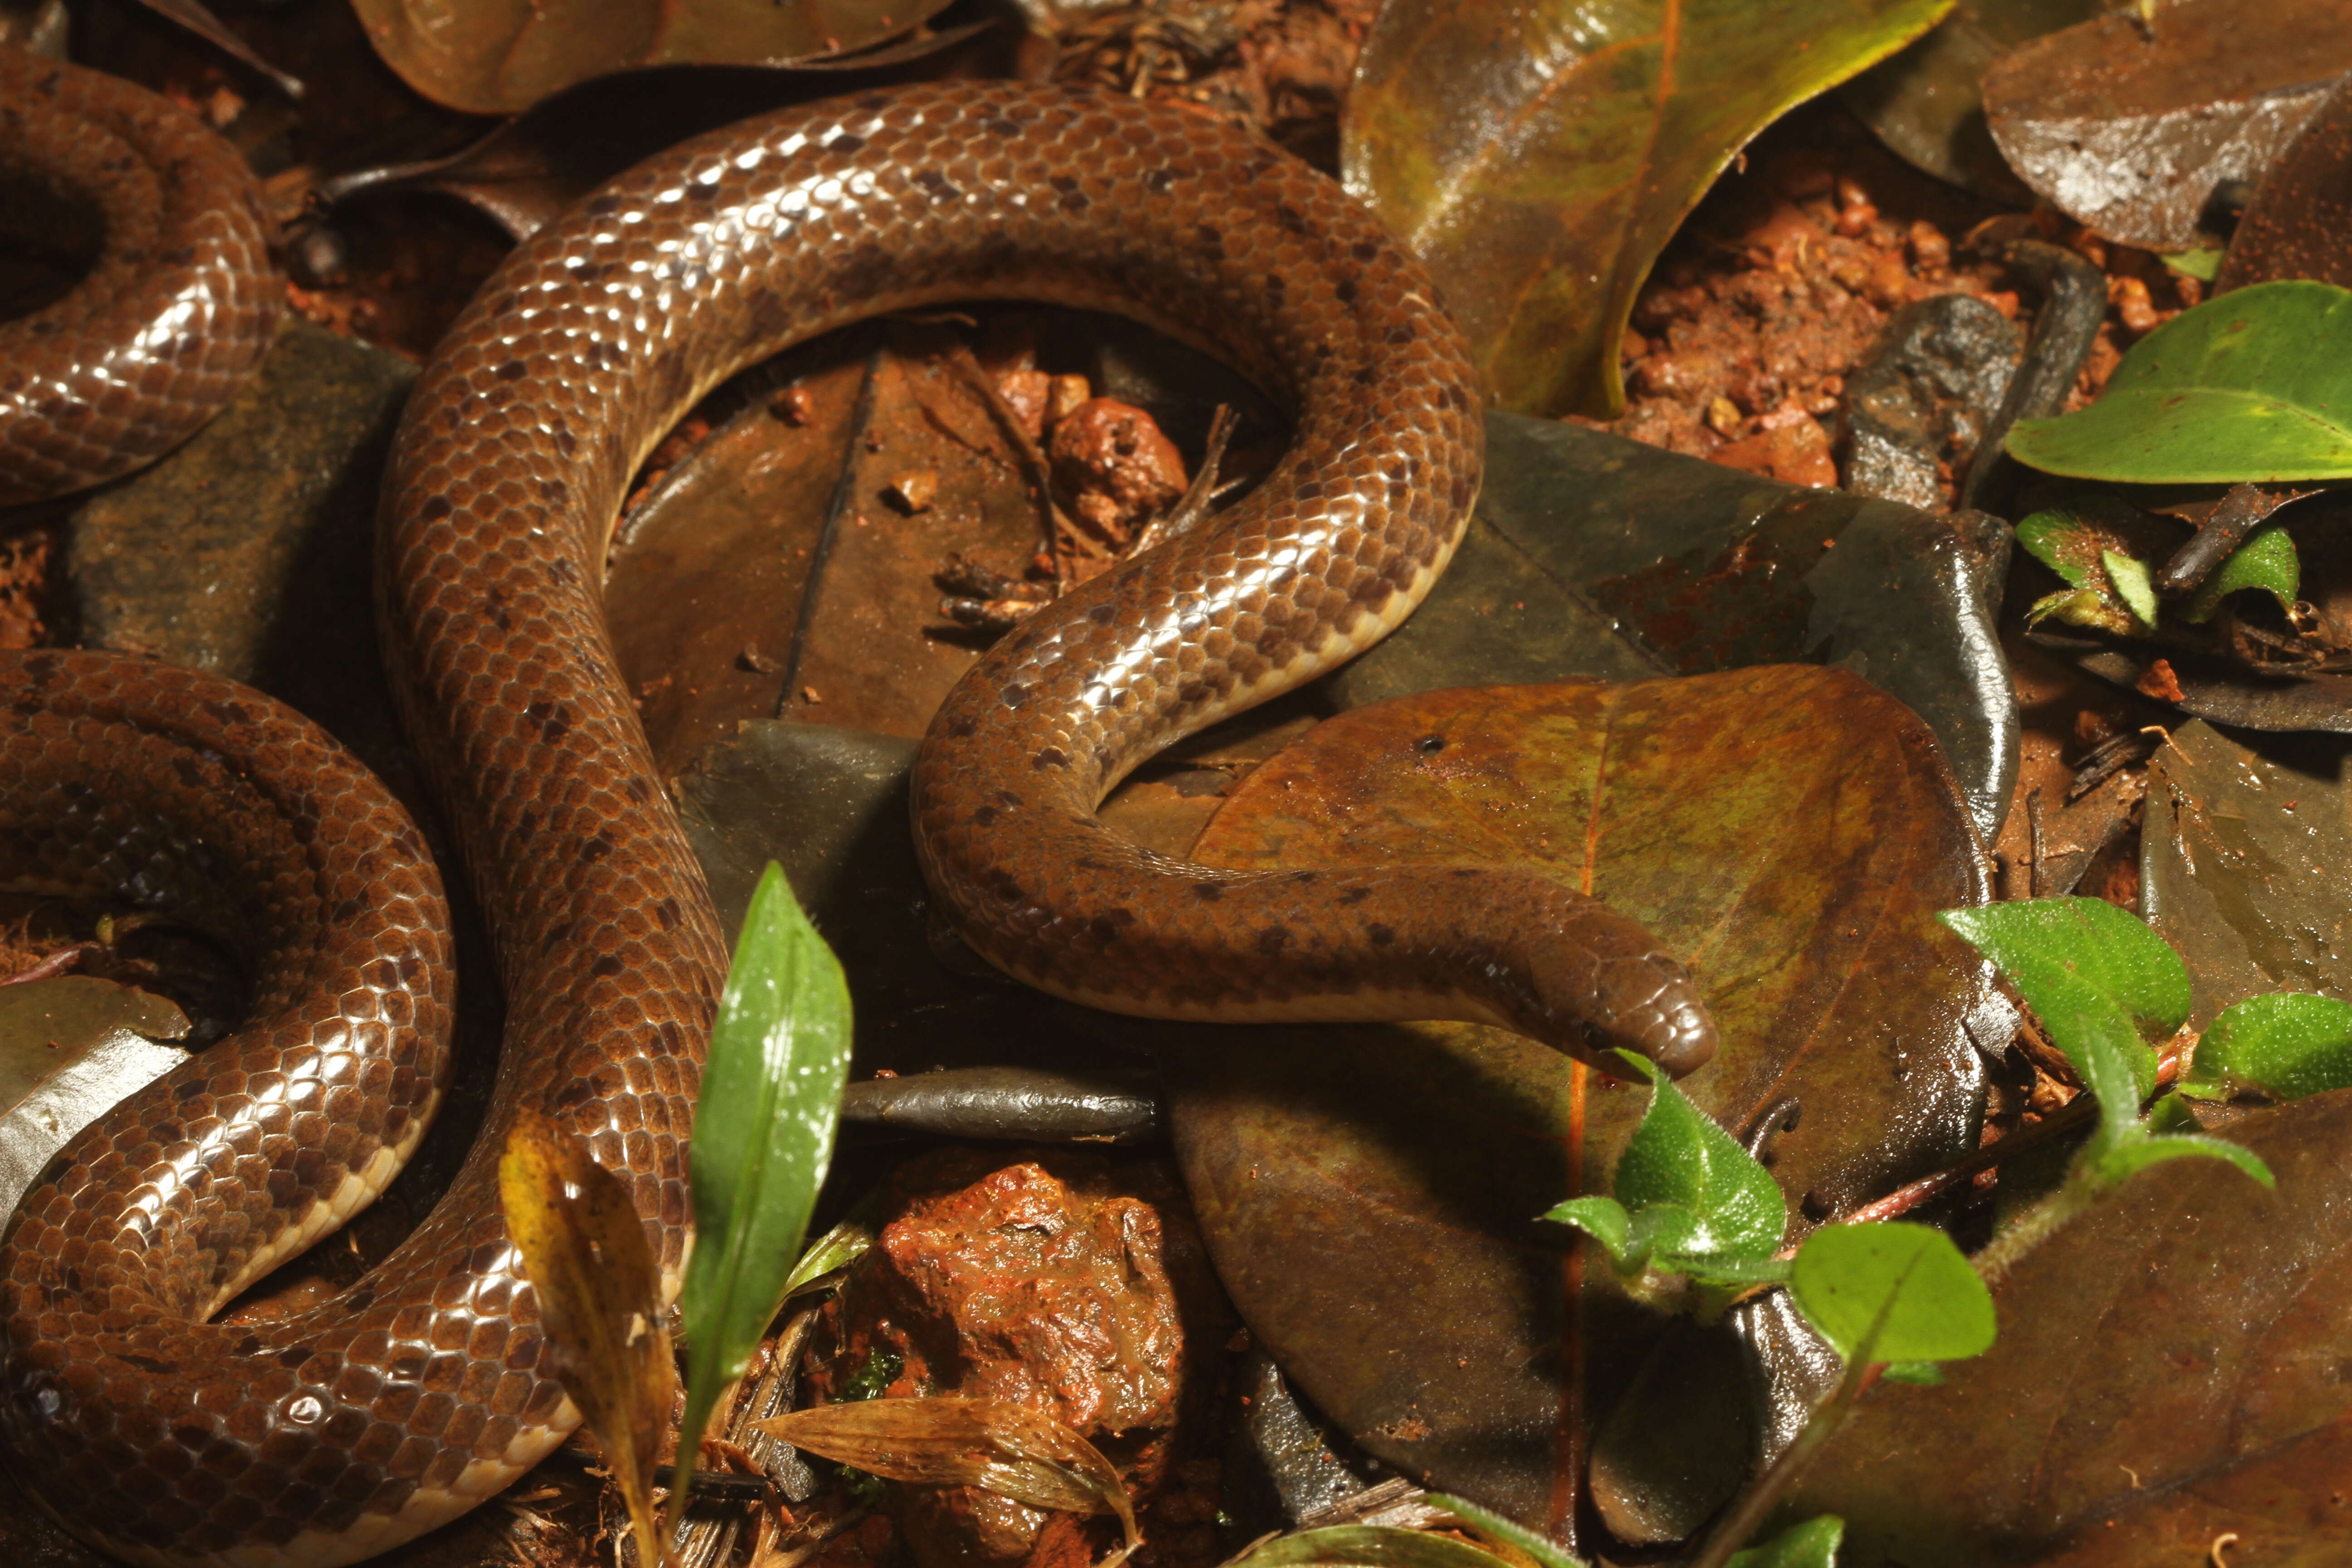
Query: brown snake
column 325, row 1436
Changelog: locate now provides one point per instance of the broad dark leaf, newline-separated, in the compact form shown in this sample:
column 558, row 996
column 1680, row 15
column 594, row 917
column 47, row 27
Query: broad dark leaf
column 600, row 1302
column 2303, row 209
column 2167, row 1370
column 1789, row 831
column 1924, row 101
column 2130, row 134
column 2246, row 864
column 501, row 57
column 1538, row 156
column 70, row 1047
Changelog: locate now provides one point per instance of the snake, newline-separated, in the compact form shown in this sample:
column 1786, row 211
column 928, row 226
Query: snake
column 331, row 1434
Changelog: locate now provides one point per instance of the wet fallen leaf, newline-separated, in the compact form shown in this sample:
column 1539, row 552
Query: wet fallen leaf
column 2129, row 129
column 501, row 57
column 2253, row 386
column 2295, row 225
column 1538, row 156
column 600, row 1302
column 70, row 1047
column 2246, row 864
column 568, row 143
column 1925, row 101
column 2167, row 1370
column 1789, row 831
column 996, row 1443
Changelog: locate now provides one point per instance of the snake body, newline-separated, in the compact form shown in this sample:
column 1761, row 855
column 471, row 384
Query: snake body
column 325, row 1437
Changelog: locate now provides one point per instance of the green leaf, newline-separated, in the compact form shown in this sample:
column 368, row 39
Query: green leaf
column 1494, row 1527
column 2255, row 386
column 2131, row 579
column 2267, row 560
column 1603, row 1219
column 762, row 1138
column 2204, row 263
column 1925, row 1372
column 1813, row 1545
column 2285, row 1045
column 1538, row 156
column 1679, row 1157
column 1365, row 1546
column 2126, row 1157
column 1892, row 1292
column 2098, row 979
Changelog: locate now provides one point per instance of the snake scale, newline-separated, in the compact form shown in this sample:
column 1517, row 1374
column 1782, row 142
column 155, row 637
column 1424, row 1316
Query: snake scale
column 326, row 1436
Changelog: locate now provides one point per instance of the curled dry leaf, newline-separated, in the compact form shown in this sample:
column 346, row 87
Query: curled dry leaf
column 500, row 56
column 1538, row 156
column 997, row 1444
column 600, row 1301
column 2129, row 129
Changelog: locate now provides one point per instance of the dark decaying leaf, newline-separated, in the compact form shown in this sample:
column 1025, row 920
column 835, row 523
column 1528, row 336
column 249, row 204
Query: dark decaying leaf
column 2246, row 864
column 1538, row 156
column 2253, row 386
column 997, row 1444
column 1368, row 1192
column 2167, row 1370
column 572, row 140
column 2296, row 224
column 1923, row 101
column 2129, row 128
column 763, row 1132
column 70, row 1046
column 501, row 57
column 600, row 1302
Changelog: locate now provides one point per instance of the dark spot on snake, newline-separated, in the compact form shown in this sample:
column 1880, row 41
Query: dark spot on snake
column 1075, row 202
column 562, row 571
column 964, row 728
column 1052, row 757
column 1346, row 290
column 1014, row 695
column 1273, row 940
column 292, row 1356
column 554, row 492
column 596, row 849
column 604, row 207
column 1430, row 745
column 1382, row 936
column 1064, row 183
column 1291, row 218
column 1401, row 333
column 1208, row 892
column 523, row 1353
column 1108, row 924
column 360, row 1303
column 147, row 1363
column 1304, row 875
column 984, row 817
column 939, row 185
column 179, row 256
column 436, row 508
column 188, row 1091
column 189, row 773
column 510, row 370
column 605, row 968
column 192, row 1436
column 554, row 722
column 1159, row 180
column 666, row 914
column 407, row 1368
column 1103, row 615
column 1212, row 242
column 845, row 143
column 574, row 1095
column 1356, row 895
column 1366, row 375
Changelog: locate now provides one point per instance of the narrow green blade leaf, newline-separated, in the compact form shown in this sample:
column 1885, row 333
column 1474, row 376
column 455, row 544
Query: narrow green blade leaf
column 1679, row 1156
column 1813, row 1545
column 1892, row 1292
column 2267, row 560
column 1603, row 1219
column 2253, row 385
column 1494, row 1527
column 2129, row 1156
column 1365, row 1546
column 2287, row 1046
column 762, row 1138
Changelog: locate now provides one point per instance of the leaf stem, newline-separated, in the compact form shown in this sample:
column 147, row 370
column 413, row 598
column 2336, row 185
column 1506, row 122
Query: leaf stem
column 1755, row 1505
